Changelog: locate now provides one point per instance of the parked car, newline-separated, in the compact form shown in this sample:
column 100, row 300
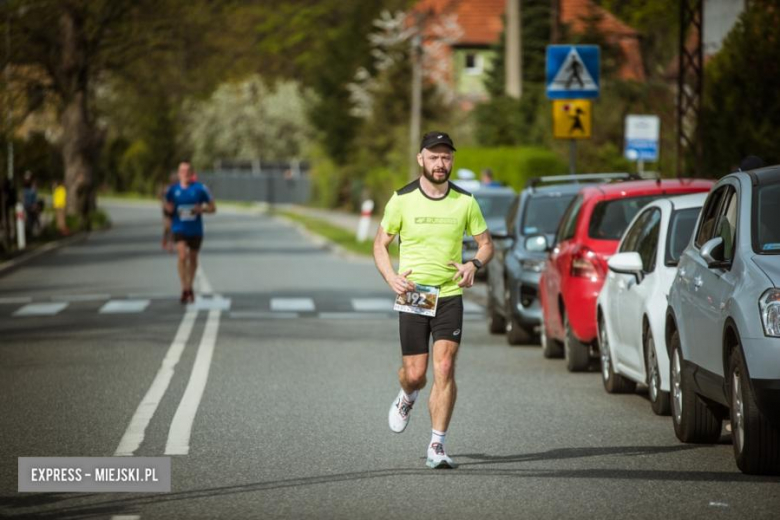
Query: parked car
column 631, row 308
column 723, row 322
column 574, row 271
column 513, row 275
column 494, row 201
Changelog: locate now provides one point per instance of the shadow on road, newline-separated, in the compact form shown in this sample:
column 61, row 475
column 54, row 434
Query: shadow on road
column 131, row 505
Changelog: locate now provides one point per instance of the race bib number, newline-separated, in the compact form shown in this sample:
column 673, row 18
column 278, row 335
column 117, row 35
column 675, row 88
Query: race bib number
column 423, row 300
column 185, row 212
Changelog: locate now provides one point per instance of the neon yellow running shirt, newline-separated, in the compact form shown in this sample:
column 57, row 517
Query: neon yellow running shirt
column 431, row 232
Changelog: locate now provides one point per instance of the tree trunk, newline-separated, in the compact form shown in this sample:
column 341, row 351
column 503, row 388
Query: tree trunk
column 78, row 129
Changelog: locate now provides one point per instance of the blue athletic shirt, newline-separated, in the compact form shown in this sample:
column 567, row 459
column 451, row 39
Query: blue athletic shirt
column 184, row 199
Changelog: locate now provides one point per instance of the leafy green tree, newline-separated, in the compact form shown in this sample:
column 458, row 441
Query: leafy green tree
column 741, row 108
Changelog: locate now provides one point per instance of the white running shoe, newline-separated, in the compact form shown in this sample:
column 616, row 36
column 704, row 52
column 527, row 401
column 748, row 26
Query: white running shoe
column 398, row 417
column 437, row 459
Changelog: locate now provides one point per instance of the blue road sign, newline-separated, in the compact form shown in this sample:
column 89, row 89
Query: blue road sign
column 641, row 150
column 573, row 71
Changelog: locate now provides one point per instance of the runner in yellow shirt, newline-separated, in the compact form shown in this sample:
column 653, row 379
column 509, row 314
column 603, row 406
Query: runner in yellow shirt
column 430, row 216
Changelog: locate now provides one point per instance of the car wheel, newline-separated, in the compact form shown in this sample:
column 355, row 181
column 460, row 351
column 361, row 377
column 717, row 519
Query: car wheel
column 516, row 334
column 693, row 419
column 576, row 352
column 659, row 400
column 613, row 383
column 496, row 322
column 550, row 347
column 756, row 441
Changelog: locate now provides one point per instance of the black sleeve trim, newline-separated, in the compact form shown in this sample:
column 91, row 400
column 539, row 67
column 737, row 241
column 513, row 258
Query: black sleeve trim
column 409, row 188
column 457, row 188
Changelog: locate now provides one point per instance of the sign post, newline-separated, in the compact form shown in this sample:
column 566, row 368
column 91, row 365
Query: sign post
column 642, row 138
column 573, row 75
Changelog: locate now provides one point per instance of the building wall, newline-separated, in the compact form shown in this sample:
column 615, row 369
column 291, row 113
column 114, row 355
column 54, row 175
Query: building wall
column 470, row 81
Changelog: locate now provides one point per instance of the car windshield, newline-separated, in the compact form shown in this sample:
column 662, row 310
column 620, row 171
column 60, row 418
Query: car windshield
column 611, row 217
column 766, row 222
column 494, row 205
column 680, row 230
column 543, row 214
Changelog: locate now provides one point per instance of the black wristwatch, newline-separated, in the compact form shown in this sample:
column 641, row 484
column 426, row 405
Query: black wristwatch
column 476, row 263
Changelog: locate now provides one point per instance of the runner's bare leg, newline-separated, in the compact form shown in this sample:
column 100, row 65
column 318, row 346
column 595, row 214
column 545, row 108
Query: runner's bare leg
column 183, row 252
column 411, row 375
column 444, row 391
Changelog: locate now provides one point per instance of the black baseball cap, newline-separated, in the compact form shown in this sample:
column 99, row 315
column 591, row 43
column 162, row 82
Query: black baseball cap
column 431, row 139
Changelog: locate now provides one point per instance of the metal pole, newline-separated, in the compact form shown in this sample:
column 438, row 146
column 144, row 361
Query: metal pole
column 416, row 114
column 572, row 156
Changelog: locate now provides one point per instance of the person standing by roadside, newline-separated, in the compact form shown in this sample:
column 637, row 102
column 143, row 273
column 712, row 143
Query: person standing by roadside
column 59, row 202
column 187, row 201
column 430, row 215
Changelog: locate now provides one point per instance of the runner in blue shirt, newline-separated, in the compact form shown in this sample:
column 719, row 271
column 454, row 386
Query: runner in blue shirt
column 186, row 201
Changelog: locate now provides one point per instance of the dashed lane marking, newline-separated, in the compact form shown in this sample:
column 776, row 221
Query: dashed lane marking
column 124, row 306
column 292, row 304
column 41, row 309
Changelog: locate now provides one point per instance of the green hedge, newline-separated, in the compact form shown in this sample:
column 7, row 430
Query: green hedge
column 511, row 165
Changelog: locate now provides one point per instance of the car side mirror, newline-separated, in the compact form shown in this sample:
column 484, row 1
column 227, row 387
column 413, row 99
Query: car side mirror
column 627, row 263
column 712, row 252
column 537, row 244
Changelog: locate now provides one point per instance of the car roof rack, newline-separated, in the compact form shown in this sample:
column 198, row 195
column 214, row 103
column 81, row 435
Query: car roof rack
column 586, row 177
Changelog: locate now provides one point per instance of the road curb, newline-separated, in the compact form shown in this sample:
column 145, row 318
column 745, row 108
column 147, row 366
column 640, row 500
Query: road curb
column 9, row 265
column 323, row 242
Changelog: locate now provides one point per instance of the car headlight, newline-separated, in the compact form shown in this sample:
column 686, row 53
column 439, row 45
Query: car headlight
column 770, row 312
column 535, row 266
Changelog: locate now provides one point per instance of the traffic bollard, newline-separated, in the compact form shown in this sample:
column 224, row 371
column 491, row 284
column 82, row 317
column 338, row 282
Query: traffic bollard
column 20, row 238
column 365, row 220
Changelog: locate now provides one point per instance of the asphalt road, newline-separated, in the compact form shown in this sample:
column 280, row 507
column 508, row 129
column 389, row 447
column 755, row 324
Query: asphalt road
column 294, row 354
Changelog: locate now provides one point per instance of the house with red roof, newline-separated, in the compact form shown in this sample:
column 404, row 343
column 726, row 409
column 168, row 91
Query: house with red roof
column 459, row 62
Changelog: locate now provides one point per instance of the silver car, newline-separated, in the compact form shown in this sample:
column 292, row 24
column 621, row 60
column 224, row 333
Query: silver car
column 723, row 322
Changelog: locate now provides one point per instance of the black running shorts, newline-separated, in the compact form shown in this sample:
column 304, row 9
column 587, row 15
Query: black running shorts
column 193, row 241
column 416, row 331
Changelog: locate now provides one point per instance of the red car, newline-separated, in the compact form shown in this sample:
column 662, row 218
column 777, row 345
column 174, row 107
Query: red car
column 574, row 272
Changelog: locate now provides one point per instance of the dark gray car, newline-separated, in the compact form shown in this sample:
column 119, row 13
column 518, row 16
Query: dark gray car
column 513, row 275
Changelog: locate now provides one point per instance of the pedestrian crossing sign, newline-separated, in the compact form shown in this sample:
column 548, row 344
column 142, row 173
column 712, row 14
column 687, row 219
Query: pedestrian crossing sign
column 573, row 71
column 572, row 118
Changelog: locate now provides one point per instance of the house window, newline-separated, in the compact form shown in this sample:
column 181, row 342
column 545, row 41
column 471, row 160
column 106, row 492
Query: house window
column 473, row 63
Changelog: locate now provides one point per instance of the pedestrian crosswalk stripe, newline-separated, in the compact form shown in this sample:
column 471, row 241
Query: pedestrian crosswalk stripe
column 41, row 309
column 372, row 304
column 216, row 303
column 124, row 306
column 292, row 304
column 255, row 315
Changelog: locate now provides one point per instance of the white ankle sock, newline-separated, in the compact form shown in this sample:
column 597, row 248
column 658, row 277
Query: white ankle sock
column 411, row 397
column 437, row 436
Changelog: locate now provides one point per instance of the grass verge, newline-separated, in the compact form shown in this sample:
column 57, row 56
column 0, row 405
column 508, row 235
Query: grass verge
column 336, row 234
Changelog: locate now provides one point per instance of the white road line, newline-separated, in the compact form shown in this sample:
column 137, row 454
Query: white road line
column 355, row 315
column 181, row 427
column 15, row 299
column 217, row 303
column 372, row 304
column 81, row 298
column 292, row 304
column 134, row 435
column 202, row 282
column 259, row 315
column 40, row 309
column 124, row 306
column 472, row 307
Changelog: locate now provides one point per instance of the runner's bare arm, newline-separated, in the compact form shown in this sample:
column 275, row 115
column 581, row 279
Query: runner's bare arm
column 485, row 247
column 397, row 282
column 209, row 207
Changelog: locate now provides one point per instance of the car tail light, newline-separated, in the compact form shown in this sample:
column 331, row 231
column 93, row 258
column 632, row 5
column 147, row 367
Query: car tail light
column 586, row 264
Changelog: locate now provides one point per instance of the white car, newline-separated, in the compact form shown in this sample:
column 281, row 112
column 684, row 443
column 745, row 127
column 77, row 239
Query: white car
column 632, row 304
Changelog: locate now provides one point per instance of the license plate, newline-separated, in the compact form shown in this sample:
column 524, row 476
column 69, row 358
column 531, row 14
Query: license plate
column 423, row 300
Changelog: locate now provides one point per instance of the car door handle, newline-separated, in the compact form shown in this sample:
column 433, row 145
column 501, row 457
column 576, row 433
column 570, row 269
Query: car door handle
column 697, row 283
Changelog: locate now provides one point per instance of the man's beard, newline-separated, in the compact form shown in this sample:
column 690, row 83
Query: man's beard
column 430, row 177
